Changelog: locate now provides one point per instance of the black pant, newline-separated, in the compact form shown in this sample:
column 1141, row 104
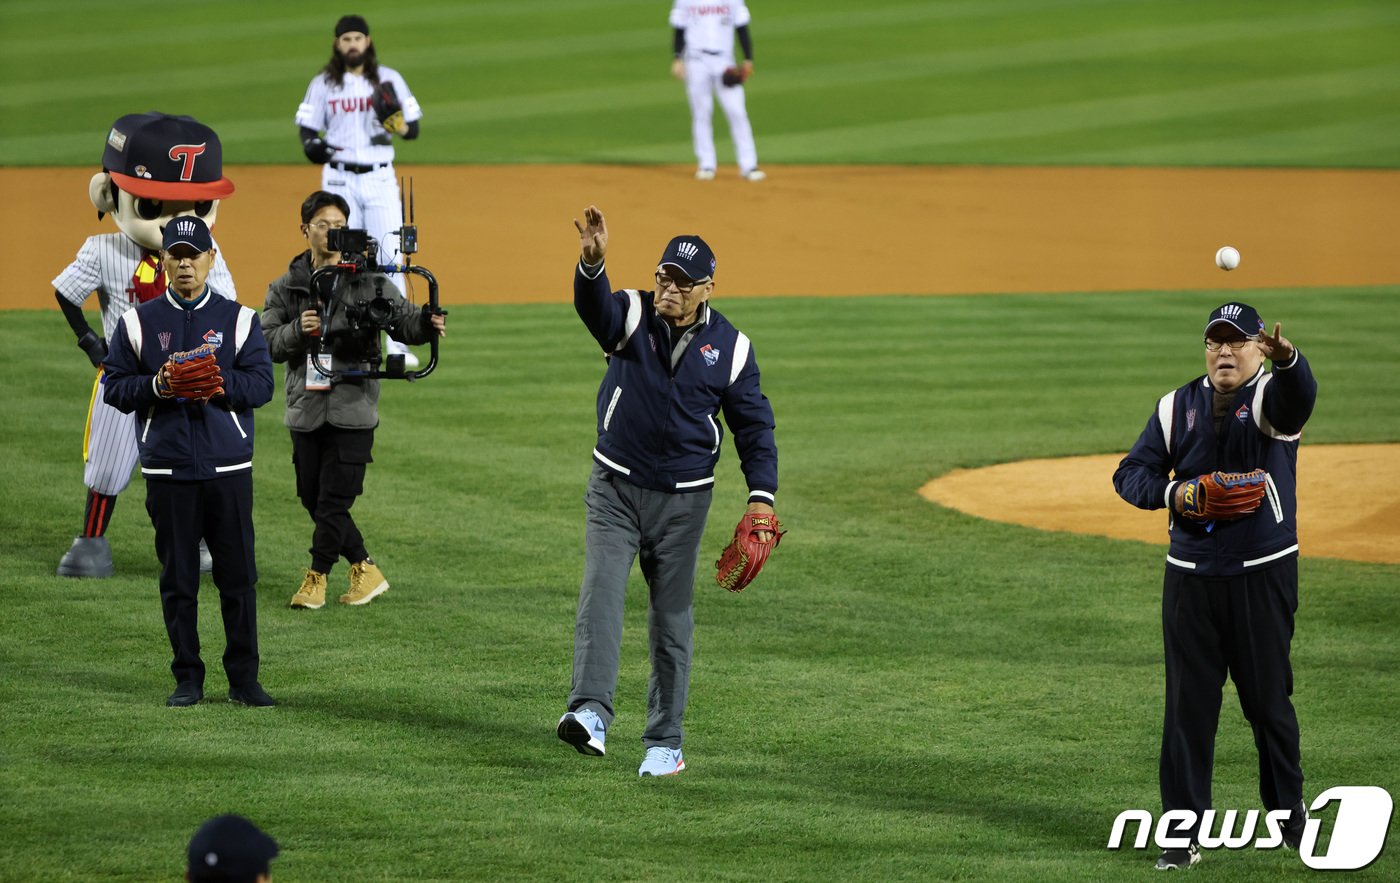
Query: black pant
column 221, row 512
column 330, row 465
column 1242, row 626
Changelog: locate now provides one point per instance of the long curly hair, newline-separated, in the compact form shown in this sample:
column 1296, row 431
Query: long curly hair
column 335, row 68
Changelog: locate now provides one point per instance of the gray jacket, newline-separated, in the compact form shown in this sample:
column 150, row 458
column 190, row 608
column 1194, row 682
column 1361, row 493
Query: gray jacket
column 353, row 402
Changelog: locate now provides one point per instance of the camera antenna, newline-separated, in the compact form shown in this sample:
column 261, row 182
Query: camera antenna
column 408, row 236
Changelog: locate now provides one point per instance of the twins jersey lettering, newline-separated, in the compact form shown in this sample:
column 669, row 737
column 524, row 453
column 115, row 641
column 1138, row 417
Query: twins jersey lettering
column 344, row 113
column 114, row 267
column 709, row 27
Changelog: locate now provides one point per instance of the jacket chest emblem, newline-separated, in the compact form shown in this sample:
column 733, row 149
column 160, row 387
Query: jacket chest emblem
column 1242, row 414
column 164, row 341
column 651, row 339
column 711, row 355
column 1191, row 420
column 214, row 337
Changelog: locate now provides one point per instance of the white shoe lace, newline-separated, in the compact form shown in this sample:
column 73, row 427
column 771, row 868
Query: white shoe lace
column 660, row 755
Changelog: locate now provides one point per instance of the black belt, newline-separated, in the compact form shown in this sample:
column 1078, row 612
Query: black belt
column 356, row 169
column 711, row 52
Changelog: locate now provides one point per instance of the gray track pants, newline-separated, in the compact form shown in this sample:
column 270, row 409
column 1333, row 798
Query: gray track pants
column 625, row 522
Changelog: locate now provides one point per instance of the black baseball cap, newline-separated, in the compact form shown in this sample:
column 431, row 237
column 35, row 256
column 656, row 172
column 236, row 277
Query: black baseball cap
column 350, row 23
column 161, row 156
column 691, row 256
column 187, row 230
column 1241, row 317
column 230, row 849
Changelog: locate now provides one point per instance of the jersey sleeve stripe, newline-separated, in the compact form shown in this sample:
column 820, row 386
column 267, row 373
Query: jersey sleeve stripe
column 243, row 328
column 1165, row 407
column 741, row 357
column 1257, row 406
column 133, row 330
column 634, row 317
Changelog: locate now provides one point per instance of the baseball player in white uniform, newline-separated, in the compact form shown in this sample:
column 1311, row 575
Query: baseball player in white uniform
column 704, row 48
column 155, row 167
column 356, row 150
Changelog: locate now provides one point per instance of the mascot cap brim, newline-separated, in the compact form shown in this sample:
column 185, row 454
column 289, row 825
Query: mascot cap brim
column 181, row 191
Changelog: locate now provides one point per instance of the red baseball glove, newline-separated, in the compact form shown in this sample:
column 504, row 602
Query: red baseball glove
column 746, row 554
column 1222, row 496
column 191, row 375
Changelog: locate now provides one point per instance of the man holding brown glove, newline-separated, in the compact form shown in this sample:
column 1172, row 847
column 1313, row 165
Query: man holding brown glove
column 1221, row 453
column 674, row 366
column 193, row 365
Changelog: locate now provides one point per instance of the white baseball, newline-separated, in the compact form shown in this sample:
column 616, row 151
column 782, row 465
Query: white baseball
column 1227, row 258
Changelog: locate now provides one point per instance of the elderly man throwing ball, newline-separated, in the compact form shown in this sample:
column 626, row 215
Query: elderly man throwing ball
column 1221, row 454
column 674, row 364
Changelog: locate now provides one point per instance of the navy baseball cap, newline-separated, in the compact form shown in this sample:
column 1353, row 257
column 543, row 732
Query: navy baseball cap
column 187, row 230
column 160, row 156
column 691, row 256
column 1241, row 317
column 230, row 849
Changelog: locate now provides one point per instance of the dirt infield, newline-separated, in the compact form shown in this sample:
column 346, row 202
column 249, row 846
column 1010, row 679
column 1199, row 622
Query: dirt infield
column 503, row 234
column 1349, row 499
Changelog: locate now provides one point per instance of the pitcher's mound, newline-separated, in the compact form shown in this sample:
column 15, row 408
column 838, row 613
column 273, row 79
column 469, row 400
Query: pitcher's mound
column 1348, row 499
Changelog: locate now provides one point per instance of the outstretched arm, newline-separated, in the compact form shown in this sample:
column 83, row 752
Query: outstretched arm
column 592, row 236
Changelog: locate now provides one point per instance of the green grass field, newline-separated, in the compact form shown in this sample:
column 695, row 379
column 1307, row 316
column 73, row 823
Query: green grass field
column 1190, row 82
column 908, row 693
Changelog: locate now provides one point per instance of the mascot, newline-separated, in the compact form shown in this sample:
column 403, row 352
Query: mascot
column 155, row 166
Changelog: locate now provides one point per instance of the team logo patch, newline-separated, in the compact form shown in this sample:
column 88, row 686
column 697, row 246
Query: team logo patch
column 185, row 155
column 1190, row 419
column 117, row 140
column 164, row 341
column 687, row 250
column 214, row 337
column 1231, row 311
column 1242, row 414
column 711, row 355
column 141, row 172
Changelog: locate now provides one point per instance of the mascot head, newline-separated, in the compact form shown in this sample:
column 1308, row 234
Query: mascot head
column 157, row 166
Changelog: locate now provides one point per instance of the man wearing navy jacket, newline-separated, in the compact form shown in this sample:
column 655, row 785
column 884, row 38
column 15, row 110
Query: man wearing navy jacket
column 674, row 365
column 1231, row 586
column 197, row 456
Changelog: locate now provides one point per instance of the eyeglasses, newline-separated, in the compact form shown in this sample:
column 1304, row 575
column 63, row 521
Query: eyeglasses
column 662, row 280
column 326, row 225
column 1214, row 346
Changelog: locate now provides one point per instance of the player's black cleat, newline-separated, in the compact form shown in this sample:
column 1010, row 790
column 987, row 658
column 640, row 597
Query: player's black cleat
column 1296, row 824
column 251, row 695
column 185, row 695
column 1179, row 859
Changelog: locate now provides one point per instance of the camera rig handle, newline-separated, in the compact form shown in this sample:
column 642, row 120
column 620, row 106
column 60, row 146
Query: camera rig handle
column 394, row 365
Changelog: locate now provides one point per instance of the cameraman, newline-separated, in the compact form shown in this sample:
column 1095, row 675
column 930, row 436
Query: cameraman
column 333, row 421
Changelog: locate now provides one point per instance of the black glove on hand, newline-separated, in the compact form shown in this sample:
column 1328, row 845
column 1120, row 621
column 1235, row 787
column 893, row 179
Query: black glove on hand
column 94, row 346
column 317, row 150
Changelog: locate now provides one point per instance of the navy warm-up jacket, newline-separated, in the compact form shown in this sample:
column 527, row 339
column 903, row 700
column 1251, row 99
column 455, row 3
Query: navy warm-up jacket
column 190, row 441
column 656, row 419
column 1260, row 431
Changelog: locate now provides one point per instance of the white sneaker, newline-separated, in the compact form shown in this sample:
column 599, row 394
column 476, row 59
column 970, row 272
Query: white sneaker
column 584, row 730
column 705, row 174
column 661, row 761
column 755, row 175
